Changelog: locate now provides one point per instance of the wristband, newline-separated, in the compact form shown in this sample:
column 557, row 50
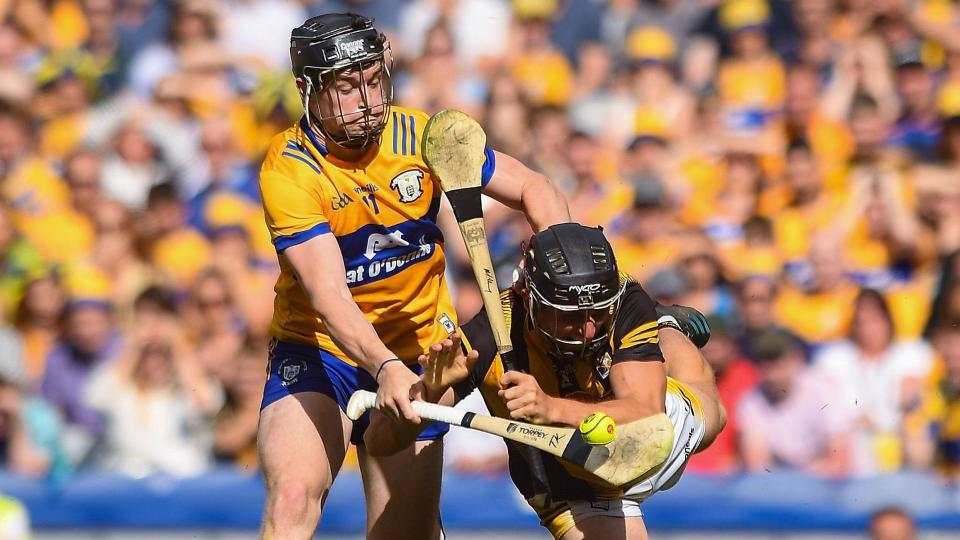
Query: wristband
column 379, row 369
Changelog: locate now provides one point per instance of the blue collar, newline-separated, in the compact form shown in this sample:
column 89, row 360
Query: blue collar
column 312, row 136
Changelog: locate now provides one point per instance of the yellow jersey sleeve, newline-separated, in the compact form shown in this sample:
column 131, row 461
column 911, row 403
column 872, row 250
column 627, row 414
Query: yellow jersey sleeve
column 293, row 212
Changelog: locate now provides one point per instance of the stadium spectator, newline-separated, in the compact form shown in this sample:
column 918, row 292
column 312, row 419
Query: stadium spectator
column 736, row 377
column 90, row 339
column 39, row 320
column 157, row 404
column 878, row 377
column 933, row 427
column 215, row 325
column 792, row 418
column 892, row 524
column 235, row 425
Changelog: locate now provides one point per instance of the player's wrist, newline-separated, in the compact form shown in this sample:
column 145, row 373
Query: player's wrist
column 385, row 367
column 433, row 392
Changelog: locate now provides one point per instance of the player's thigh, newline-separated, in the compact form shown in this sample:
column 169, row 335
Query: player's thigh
column 302, row 441
column 607, row 528
column 403, row 492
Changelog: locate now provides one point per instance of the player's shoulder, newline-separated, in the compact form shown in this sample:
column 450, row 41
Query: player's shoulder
column 636, row 316
column 288, row 156
column 420, row 117
column 634, row 295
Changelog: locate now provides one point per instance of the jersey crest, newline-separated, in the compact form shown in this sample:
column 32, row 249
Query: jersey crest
column 407, row 185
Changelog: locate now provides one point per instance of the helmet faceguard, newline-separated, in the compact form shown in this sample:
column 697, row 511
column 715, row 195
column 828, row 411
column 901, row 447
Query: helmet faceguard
column 574, row 289
column 330, row 47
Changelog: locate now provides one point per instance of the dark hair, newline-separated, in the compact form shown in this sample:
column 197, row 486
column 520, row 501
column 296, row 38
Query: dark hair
column 873, row 296
column 18, row 114
column 758, row 226
column 165, row 192
column 799, row 144
column 157, row 297
column 861, row 103
column 949, row 281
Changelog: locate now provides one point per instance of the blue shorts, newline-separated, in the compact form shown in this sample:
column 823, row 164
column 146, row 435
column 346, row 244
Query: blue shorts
column 298, row 368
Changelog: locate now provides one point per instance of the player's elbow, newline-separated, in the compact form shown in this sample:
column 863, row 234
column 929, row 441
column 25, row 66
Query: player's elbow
column 543, row 202
column 721, row 416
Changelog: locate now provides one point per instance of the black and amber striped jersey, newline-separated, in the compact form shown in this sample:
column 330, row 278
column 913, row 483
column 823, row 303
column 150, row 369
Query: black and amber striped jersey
column 634, row 338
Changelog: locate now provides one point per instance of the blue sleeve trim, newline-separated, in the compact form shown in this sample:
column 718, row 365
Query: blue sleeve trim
column 303, row 159
column 489, row 166
column 283, row 242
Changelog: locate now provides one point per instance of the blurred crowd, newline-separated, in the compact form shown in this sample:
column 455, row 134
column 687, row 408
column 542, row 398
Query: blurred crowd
column 791, row 168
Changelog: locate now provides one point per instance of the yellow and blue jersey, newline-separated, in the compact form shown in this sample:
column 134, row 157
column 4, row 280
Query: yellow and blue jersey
column 382, row 210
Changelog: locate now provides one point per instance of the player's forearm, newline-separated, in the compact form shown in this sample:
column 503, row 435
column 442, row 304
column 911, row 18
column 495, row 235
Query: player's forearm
column 571, row 412
column 352, row 332
column 543, row 204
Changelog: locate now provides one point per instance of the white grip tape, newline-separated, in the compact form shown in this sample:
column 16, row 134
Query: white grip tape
column 439, row 413
column 362, row 400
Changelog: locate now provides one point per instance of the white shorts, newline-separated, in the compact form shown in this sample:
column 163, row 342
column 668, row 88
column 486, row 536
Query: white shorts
column 685, row 412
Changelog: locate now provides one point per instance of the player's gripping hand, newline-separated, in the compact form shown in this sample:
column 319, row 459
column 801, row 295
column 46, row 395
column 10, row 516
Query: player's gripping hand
column 398, row 387
column 687, row 320
column 525, row 399
column 444, row 365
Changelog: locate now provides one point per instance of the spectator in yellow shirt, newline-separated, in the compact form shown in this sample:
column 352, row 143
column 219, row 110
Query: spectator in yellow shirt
column 541, row 69
column 821, row 311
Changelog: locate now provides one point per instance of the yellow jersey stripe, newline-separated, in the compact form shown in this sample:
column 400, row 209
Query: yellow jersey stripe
column 643, row 328
column 635, row 342
column 633, row 339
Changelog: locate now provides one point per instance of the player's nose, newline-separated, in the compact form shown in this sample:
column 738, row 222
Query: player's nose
column 589, row 330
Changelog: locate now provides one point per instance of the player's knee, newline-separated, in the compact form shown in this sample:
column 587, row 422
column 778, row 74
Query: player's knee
column 291, row 500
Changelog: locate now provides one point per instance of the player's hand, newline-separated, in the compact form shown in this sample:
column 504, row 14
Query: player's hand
column 524, row 398
column 398, row 386
column 445, row 364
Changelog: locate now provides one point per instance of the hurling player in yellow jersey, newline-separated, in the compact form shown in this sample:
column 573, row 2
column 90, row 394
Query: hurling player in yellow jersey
column 590, row 339
column 351, row 209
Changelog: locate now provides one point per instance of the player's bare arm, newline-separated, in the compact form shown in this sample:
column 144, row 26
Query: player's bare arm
column 319, row 267
column 638, row 388
column 516, row 186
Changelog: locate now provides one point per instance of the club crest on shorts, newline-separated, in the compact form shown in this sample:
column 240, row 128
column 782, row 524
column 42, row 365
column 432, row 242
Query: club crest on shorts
column 408, row 185
column 290, row 369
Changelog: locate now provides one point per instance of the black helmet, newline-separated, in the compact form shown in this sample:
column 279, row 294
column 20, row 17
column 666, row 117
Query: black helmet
column 572, row 278
column 329, row 44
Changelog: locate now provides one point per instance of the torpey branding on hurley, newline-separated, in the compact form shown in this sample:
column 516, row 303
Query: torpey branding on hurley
column 532, row 432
